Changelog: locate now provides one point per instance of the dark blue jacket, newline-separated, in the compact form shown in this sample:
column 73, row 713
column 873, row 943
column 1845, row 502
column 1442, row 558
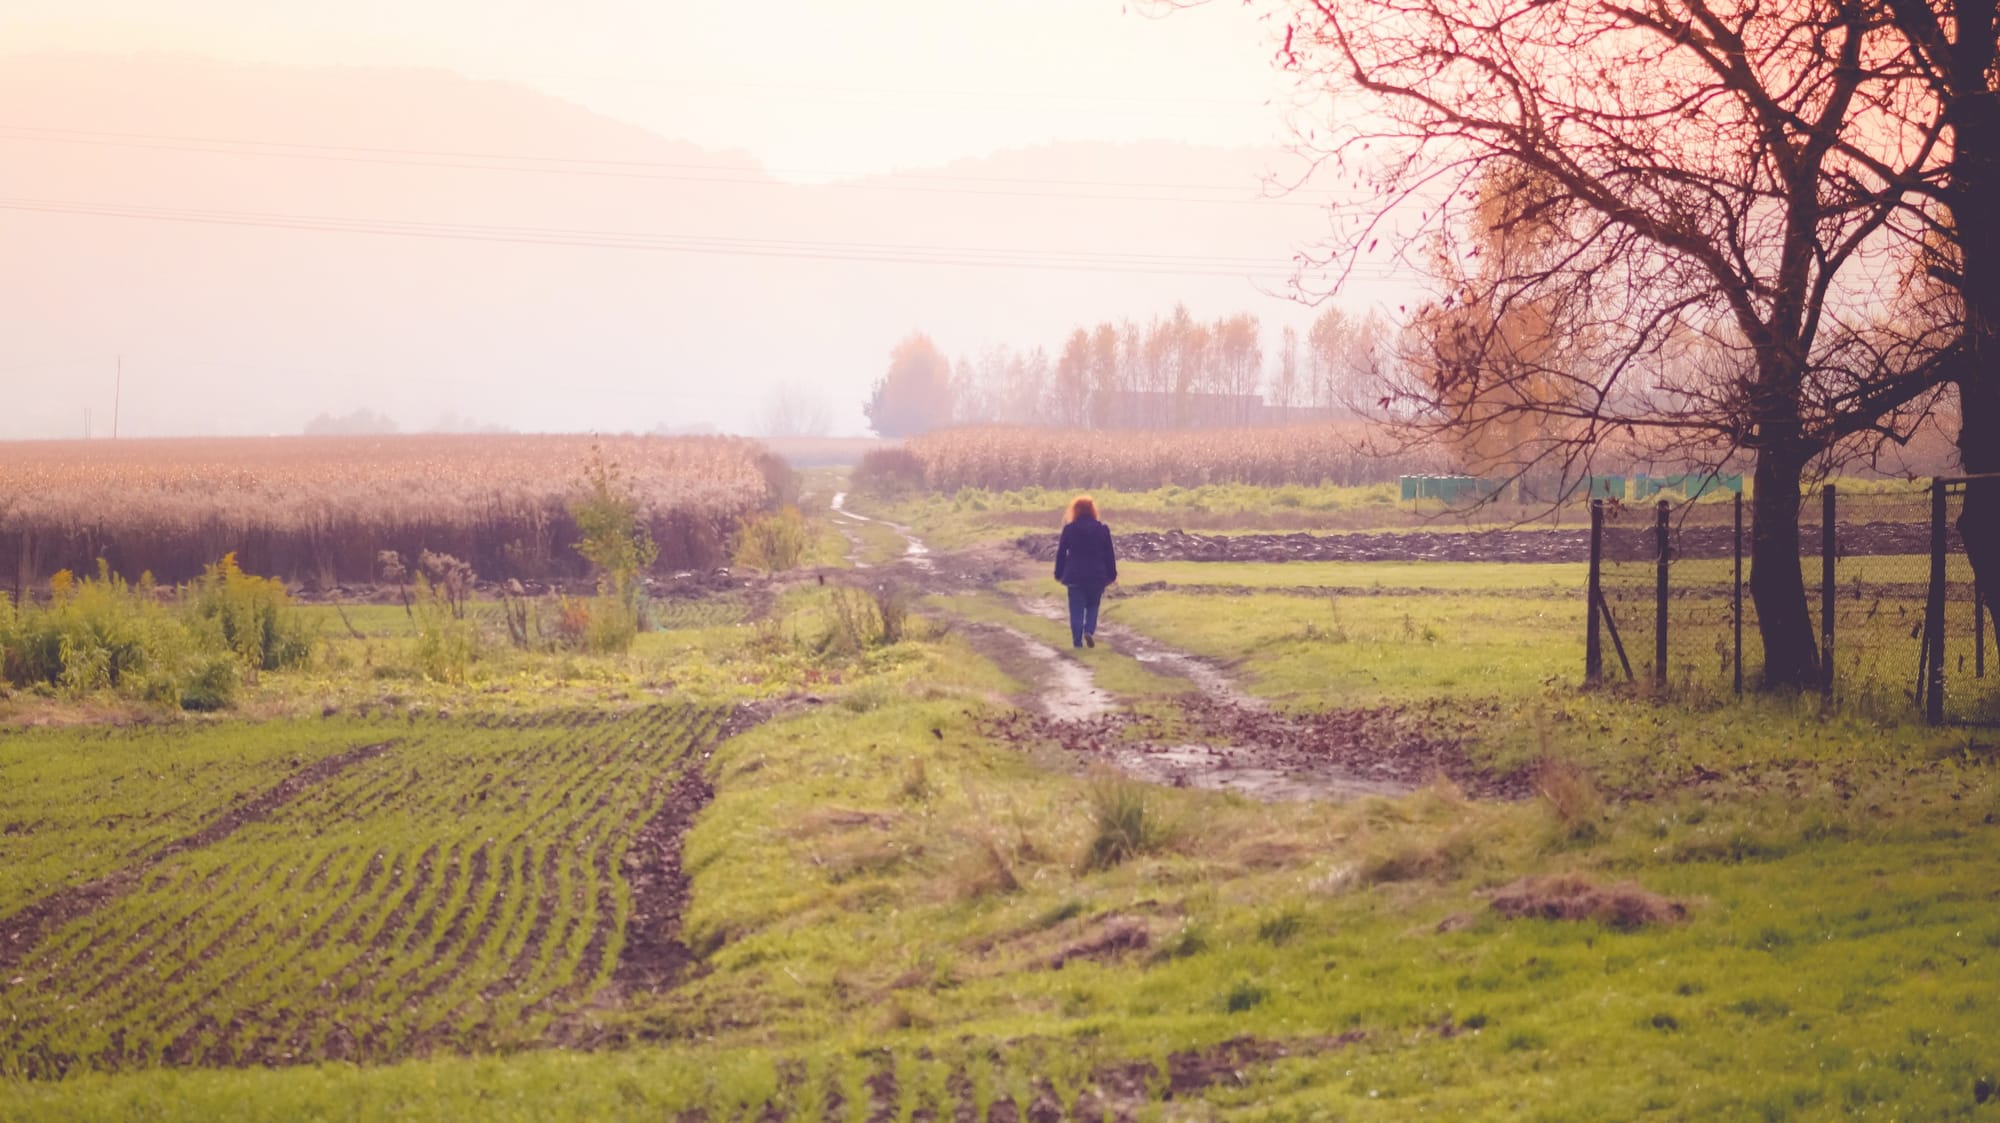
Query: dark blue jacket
column 1084, row 556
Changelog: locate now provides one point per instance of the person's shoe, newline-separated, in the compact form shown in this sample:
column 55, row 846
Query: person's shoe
column 1090, row 639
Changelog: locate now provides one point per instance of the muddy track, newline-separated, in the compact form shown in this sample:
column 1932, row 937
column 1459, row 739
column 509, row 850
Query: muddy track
column 20, row 932
column 1227, row 739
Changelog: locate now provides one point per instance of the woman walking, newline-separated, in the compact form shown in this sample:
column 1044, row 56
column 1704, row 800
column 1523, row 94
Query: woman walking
column 1086, row 563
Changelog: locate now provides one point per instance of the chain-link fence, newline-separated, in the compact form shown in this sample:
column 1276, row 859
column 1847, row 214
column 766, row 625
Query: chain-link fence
column 1957, row 638
column 1676, row 620
column 1674, row 611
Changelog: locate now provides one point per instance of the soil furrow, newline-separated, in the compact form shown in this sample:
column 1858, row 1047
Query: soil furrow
column 23, row 930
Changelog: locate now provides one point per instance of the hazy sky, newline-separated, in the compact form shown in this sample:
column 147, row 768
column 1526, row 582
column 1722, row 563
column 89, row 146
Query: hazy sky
column 223, row 227
column 809, row 87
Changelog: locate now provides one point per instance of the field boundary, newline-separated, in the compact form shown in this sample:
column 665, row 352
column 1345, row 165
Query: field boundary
column 653, row 957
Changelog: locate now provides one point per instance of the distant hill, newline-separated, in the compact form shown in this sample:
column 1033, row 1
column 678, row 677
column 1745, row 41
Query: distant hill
column 246, row 322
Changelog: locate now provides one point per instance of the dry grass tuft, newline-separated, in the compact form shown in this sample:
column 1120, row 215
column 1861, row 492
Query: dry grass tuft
column 1417, row 859
column 1572, row 800
column 983, row 868
column 1575, row 897
column 1127, row 820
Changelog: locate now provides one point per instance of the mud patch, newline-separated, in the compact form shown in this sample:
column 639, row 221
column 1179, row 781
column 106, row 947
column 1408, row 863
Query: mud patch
column 1200, row 673
column 1214, row 744
column 1059, row 688
column 20, row 932
column 1624, row 905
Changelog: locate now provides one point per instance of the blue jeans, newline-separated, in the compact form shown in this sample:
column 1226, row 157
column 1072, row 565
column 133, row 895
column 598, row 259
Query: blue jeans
column 1083, row 602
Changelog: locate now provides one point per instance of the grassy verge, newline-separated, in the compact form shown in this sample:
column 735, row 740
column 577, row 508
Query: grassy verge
column 879, row 887
column 1707, row 911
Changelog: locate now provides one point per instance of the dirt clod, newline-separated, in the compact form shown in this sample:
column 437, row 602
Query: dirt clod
column 1114, row 936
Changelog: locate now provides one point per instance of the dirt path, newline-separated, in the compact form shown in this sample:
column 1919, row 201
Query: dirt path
column 914, row 551
column 1207, row 678
column 1228, row 739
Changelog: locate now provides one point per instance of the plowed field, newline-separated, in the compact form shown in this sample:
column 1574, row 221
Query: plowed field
column 369, row 891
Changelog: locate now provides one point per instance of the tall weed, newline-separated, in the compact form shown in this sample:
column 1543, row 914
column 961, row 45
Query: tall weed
column 252, row 616
column 774, row 542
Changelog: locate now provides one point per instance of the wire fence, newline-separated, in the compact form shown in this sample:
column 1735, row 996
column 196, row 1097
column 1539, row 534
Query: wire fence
column 1673, row 611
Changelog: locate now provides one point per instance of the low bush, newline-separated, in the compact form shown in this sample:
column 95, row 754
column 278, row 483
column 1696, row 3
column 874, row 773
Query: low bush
column 889, row 471
column 253, row 616
column 107, row 634
column 774, row 542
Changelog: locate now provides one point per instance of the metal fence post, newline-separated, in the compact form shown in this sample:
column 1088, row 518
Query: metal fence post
column 1828, row 535
column 1736, row 593
column 1660, row 604
column 1934, row 612
column 1593, row 642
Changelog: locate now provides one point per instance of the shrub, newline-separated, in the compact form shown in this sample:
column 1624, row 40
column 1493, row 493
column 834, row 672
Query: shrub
column 447, row 642
column 775, row 541
column 211, row 687
column 892, row 613
column 889, row 471
column 612, row 628
column 610, row 534
column 107, row 634
column 253, row 616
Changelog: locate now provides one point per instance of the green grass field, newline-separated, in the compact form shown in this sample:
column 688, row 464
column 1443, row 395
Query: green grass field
column 893, row 909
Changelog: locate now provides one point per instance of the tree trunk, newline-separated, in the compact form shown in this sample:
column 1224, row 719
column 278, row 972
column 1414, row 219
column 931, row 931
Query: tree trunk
column 1975, row 177
column 1777, row 583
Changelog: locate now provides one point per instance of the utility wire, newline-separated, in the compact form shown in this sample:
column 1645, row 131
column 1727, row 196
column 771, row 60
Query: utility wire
column 922, row 182
column 866, row 252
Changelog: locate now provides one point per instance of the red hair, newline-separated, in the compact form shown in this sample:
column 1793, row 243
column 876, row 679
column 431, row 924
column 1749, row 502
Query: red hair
column 1083, row 506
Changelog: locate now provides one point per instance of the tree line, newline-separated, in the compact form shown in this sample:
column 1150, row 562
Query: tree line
column 1174, row 371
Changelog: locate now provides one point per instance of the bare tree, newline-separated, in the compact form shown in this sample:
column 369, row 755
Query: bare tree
column 1107, row 369
column 1285, row 387
column 795, row 410
column 1690, row 169
column 1951, row 55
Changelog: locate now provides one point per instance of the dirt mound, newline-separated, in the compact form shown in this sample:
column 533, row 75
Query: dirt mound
column 1574, row 897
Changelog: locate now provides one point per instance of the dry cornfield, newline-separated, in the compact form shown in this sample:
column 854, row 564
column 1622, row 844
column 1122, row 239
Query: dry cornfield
column 1002, row 458
column 316, row 510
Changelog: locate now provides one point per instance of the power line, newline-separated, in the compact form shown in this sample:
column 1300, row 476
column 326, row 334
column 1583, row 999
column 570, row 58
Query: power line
column 864, row 252
column 883, row 91
column 921, row 182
